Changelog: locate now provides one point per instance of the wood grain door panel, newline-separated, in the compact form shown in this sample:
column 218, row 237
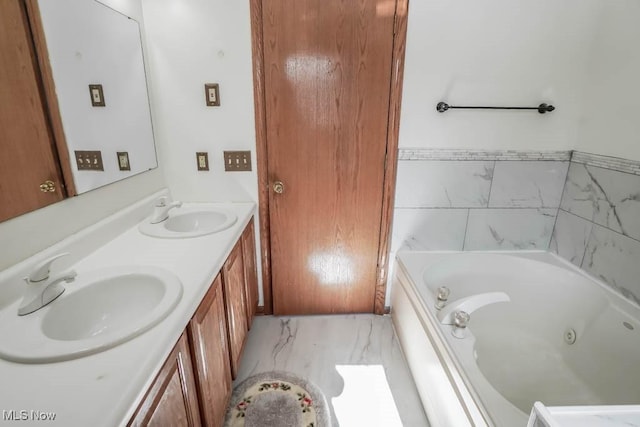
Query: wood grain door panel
column 171, row 399
column 208, row 336
column 327, row 84
column 250, row 272
column 235, row 304
column 27, row 148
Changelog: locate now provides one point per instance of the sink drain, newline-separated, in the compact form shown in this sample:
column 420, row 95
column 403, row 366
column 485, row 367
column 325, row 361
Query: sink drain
column 570, row 336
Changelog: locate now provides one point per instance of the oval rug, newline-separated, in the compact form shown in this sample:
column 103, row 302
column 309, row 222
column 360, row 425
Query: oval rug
column 277, row 399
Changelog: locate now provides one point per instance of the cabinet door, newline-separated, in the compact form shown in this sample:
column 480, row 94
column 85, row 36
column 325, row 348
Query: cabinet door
column 28, row 157
column 250, row 272
column 208, row 337
column 171, row 401
column 236, row 304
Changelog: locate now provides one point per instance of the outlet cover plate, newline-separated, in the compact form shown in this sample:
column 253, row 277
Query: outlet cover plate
column 202, row 158
column 237, row 161
column 212, row 94
column 123, row 161
column 97, row 95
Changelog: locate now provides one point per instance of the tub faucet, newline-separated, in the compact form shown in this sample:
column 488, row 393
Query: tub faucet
column 460, row 322
column 161, row 210
column 42, row 288
column 442, row 296
column 469, row 305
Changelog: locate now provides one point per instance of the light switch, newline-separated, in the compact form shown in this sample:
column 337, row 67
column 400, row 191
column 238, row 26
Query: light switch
column 89, row 160
column 203, row 161
column 212, row 94
column 237, row 161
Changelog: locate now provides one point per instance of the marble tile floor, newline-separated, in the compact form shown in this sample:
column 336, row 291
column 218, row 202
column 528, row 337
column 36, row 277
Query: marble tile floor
column 355, row 360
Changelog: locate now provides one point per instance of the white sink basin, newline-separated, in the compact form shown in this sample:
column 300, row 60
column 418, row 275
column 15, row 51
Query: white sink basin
column 187, row 223
column 99, row 310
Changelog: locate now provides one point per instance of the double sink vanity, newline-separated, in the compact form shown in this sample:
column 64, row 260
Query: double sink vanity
column 147, row 322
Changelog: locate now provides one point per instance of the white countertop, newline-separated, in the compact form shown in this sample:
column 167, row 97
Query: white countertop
column 104, row 389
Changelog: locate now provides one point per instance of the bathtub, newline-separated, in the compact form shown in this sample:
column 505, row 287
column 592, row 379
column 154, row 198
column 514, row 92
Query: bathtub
column 525, row 310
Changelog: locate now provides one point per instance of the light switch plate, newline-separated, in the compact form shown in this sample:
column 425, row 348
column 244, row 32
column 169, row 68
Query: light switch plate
column 212, row 94
column 237, row 161
column 203, row 160
column 89, row 160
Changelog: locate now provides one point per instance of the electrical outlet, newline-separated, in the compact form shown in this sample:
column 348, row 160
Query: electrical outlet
column 212, row 94
column 97, row 95
column 237, row 161
column 203, row 160
column 89, row 160
column 123, row 161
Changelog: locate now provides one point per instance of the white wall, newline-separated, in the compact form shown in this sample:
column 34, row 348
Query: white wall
column 131, row 8
column 610, row 123
column 28, row 234
column 495, row 52
column 192, row 43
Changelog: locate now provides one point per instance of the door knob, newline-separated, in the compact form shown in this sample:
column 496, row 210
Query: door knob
column 278, row 187
column 48, row 187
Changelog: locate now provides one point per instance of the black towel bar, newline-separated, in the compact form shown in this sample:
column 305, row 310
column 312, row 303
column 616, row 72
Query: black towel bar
column 542, row 108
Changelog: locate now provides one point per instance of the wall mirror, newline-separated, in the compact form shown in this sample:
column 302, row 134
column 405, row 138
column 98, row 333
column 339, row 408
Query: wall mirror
column 98, row 70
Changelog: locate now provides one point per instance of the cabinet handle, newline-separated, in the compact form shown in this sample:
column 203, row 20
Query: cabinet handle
column 48, row 187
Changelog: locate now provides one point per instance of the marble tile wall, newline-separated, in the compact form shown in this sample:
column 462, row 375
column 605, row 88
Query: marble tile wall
column 488, row 204
column 476, row 200
column 598, row 226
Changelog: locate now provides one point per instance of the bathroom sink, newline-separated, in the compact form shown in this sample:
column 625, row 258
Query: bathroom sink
column 101, row 309
column 186, row 223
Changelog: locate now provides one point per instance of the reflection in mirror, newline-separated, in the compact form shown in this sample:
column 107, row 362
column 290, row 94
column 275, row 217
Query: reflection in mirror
column 98, row 71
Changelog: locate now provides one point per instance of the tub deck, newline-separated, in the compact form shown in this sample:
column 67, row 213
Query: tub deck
column 513, row 353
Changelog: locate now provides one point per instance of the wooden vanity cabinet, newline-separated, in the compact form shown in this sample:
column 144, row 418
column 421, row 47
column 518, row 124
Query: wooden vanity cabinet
column 194, row 385
column 235, row 304
column 250, row 271
column 171, row 401
column 208, row 338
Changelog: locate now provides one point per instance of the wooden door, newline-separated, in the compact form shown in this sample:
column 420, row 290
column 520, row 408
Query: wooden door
column 327, row 90
column 27, row 149
column 235, row 304
column 208, row 337
column 171, row 401
column 250, row 272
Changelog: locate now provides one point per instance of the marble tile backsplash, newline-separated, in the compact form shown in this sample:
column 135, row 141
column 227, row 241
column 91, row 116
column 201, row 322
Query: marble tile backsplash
column 598, row 225
column 605, row 197
column 477, row 205
column 527, row 184
column 429, row 229
column 504, row 229
column 613, row 258
column 570, row 237
column 443, row 184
